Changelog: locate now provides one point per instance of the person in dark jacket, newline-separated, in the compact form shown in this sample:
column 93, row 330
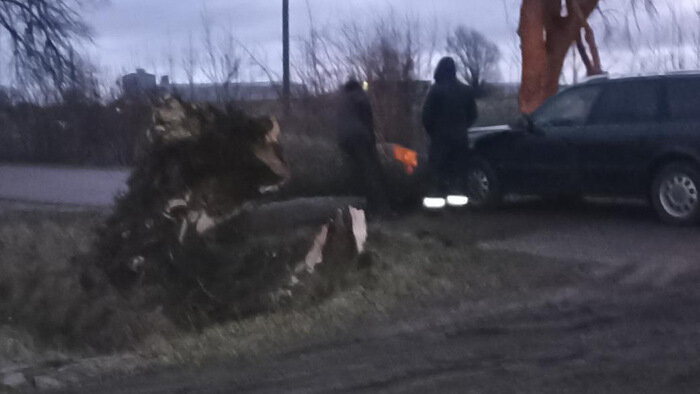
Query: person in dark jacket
column 449, row 111
column 357, row 140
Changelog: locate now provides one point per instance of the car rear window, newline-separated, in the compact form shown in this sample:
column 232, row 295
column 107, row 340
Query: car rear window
column 684, row 99
column 627, row 102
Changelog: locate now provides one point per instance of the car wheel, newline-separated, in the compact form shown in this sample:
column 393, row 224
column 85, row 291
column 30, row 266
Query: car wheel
column 483, row 185
column 675, row 193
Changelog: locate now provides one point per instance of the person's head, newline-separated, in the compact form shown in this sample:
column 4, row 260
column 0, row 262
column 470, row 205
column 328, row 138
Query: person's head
column 446, row 70
column 352, row 86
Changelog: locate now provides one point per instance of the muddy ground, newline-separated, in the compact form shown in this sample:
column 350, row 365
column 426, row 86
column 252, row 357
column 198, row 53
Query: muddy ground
column 625, row 317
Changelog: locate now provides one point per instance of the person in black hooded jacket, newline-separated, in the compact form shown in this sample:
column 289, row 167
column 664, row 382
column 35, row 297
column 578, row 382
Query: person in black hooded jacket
column 449, row 111
column 355, row 133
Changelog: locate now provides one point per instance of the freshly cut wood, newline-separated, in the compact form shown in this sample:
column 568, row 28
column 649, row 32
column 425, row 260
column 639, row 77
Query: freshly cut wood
column 331, row 254
column 359, row 228
column 315, row 254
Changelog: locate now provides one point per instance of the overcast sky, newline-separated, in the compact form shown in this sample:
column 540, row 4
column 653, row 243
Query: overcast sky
column 131, row 33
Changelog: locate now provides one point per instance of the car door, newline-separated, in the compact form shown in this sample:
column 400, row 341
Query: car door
column 542, row 160
column 681, row 133
column 616, row 143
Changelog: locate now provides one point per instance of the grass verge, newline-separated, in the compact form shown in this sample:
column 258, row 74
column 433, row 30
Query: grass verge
column 405, row 269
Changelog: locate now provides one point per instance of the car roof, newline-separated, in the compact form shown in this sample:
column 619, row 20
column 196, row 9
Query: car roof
column 606, row 78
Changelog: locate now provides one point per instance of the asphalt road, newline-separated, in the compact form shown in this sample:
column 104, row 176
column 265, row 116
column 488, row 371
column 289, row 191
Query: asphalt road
column 61, row 185
column 633, row 326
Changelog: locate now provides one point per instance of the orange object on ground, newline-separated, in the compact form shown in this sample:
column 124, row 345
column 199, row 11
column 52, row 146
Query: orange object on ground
column 407, row 157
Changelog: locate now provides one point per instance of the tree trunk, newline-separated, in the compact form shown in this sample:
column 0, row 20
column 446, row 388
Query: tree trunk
column 534, row 54
column 546, row 37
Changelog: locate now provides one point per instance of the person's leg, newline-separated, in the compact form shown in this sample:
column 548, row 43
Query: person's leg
column 446, row 168
column 373, row 180
column 457, row 161
column 356, row 183
column 438, row 169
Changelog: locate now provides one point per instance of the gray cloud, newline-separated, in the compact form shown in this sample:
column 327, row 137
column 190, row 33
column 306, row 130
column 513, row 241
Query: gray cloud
column 132, row 33
column 141, row 32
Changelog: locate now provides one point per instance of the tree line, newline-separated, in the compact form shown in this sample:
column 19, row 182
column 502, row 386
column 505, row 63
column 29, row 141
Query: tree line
column 394, row 53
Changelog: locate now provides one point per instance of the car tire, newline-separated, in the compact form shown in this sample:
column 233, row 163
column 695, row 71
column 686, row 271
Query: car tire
column 675, row 193
column 482, row 185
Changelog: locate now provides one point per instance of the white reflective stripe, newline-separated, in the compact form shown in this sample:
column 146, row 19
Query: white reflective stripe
column 457, row 201
column 434, row 203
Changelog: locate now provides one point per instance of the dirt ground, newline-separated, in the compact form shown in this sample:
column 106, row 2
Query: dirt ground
column 627, row 323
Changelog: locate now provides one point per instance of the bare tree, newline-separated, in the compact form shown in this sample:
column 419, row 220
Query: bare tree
column 392, row 53
column 43, row 34
column 390, row 48
column 478, row 56
column 190, row 63
column 169, row 56
column 318, row 65
column 109, row 83
column 660, row 40
column 221, row 62
column 84, row 85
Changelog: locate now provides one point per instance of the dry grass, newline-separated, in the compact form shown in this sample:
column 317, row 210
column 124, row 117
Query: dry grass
column 41, row 294
column 403, row 270
column 34, row 248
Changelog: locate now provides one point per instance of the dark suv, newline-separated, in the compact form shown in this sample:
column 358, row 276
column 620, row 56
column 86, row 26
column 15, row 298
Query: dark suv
column 636, row 137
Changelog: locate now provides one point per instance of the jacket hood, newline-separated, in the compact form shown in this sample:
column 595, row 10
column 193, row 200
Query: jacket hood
column 446, row 70
column 351, row 86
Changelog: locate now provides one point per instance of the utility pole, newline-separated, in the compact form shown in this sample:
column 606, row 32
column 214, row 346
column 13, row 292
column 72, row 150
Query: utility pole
column 286, row 88
column 697, row 43
column 574, row 64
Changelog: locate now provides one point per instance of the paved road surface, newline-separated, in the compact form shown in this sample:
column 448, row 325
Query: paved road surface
column 633, row 326
column 61, row 185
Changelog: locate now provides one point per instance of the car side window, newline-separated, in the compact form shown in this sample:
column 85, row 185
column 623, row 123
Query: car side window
column 627, row 102
column 570, row 108
column 684, row 99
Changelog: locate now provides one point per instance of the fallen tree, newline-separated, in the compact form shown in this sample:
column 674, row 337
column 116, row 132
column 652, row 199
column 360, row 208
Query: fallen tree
column 176, row 241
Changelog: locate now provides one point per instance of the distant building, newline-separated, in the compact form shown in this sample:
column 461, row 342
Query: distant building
column 143, row 84
column 139, row 84
column 236, row 91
